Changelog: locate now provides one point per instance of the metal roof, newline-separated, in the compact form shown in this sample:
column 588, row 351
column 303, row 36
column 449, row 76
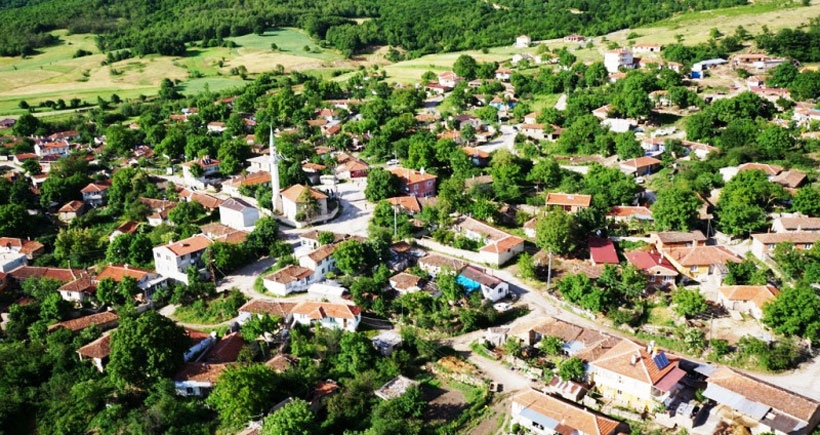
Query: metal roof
column 539, row 418
column 736, row 401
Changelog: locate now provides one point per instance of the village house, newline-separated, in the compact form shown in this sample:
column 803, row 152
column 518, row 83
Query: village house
column 647, row 48
column 349, row 167
column 503, row 74
column 763, row 406
column 293, row 206
column 289, row 279
column 160, row 209
column 700, row 150
column 543, row 414
column 657, row 269
column 635, row 376
column 320, row 261
column 409, row 204
column 435, row 264
column 206, row 200
column 78, row 290
column 449, row 79
column 794, row 224
column 104, row 321
column 492, row 288
column 97, row 351
column 499, row 246
column 95, row 194
column 30, row 248
column 747, row 299
column 71, row 210
column 625, row 213
column 59, row 149
column 770, row 170
column 416, row 183
column 676, row 239
column 806, row 115
column 198, row 378
column 523, row 41
column 327, row 315
column 17, row 276
column 148, row 281
column 255, row 178
column 700, row 262
column 479, row 157
column 216, row 127
column 238, row 213
column 602, row 251
column 218, row 232
column 568, row 201
column 173, row 260
column 640, row 166
column 262, row 307
column 791, row 179
column 538, row 131
column 764, row 244
column 404, row 282
column 618, row 58
column 209, row 168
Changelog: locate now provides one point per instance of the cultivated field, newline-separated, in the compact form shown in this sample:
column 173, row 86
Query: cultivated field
column 54, row 74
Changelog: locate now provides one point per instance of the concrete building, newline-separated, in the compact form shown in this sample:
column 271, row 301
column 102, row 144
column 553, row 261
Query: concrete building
column 173, row 260
column 238, row 213
column 618, row 58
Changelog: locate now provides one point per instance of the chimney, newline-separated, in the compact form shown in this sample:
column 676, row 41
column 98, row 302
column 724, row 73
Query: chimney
column 634, row 358
column 125, row 266
column 422, row 171
column 650, row 346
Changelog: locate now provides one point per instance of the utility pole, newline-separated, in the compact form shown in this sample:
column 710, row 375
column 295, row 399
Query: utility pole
column 549, row 270
column 395, row 224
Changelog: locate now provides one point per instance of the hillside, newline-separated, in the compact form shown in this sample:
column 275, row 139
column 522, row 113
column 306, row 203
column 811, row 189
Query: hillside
column 165, row 27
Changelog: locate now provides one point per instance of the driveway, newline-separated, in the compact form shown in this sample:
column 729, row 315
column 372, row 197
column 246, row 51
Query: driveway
column 506, row 140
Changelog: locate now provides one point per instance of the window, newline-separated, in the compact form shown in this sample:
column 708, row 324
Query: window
column 693, row 269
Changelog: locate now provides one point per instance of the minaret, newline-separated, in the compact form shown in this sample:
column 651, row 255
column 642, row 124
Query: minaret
column 274, row 172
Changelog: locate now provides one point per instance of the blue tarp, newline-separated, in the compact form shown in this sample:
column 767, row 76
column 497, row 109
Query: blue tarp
column 467, row 283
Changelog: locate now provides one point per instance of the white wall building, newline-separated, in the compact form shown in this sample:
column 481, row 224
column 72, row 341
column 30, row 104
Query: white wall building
column 173, row 260
column 238, row 214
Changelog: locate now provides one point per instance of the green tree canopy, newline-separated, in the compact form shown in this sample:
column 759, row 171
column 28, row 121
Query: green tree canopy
column 295, row 418
column 675, row 209
column 794, row 312
column 351, row 256
column 556, row 232
column 243, row 391
column 145, row 348
column 381, row 184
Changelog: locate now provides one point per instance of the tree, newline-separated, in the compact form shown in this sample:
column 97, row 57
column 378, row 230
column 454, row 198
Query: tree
column 265, row 233
column 32, row 167
column 572, row 369
column 400, row 415
column 775, row 142
column 120, row 140
column 744, row 201
column 227, row 257
column 326, row 237
column 308, row 205
column 351, row 256
column 295, row 418
column 133, row 249
column 26, row 125
column 552, row 345
column 807, row 201
column 145, row 348
column 512, row 347
column 794, row 312
column 609, row 186
column 627, row 146
column 356, row 354
column 468, row 133
column 243, row 391
column 526, row 267
column 381, row 184
column 783, row 76
column 556, row 232
column 547, row 172
column 676, row 209
column 689, row 302
column 14, row 221
column 76, row 246
column 186, row 212
column 465, row 66
column 508, row 173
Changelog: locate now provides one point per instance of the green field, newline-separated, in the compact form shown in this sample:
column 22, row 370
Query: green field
column 54, row 74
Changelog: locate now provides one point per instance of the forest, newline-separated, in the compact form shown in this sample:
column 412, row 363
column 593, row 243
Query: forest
column 165, row 27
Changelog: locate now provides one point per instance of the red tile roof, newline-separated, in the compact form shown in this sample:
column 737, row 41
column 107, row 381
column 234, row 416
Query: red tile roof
column 99, row 348
column 201, row 372
column 119, row 271
column 225, row 350
column 293, row 193
column 570, row 417
column 274, row 308
column 409, row 203
column 759, row 295
column 602, row 251
column 71, row 207
column 57, row 274
column 410, row 176
column 190, row 245
column 568, row 199
column 651, row 262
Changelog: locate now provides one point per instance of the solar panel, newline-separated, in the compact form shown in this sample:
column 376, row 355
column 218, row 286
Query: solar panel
column 661, row 361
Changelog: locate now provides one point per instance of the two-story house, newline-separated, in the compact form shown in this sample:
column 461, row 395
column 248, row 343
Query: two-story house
column 320, row 260
column 327, row 315
column 95, row 194
column 635, row 376
column 147, row 281
column 492, row 288
column 416, row 183
column 238, row 214
column 173, row 260
column 764, row 244
column 289, row 279
column 30, row 248
column 568, row 201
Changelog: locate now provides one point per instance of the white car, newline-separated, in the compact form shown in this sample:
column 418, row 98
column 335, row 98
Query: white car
column 502, row 307
column 392, row 162
column 640, row 180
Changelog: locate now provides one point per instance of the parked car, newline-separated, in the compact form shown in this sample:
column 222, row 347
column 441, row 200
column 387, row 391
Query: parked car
column 502, row 307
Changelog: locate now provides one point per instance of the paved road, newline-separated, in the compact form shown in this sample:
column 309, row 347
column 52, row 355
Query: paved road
column 506, row 140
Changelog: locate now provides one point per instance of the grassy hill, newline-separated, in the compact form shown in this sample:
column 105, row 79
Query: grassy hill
column 55, row 74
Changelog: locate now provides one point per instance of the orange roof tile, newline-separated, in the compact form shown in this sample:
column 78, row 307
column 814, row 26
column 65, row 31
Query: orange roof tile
column 570, row 417
column 201, row 372
column 72, row 207
column 293, row 193
column 119, row 271
column 190, row 245
column 99, row 348
column 409, row 203
column 410, row 176
column 104, row 319
column 274, row 308
column 321, row 310
column 619, row 360
column 503, row 245
column 701, row 255
column 569, row 199
column 759, row 295
column 289, row 274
